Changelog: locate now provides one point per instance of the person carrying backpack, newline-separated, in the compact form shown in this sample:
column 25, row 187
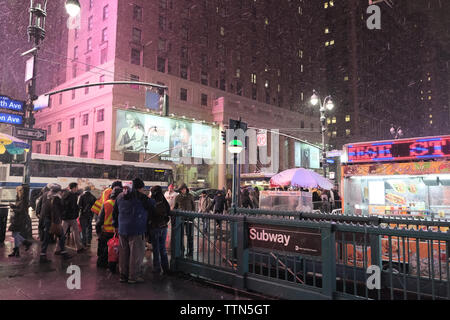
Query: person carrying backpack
column 158, row 223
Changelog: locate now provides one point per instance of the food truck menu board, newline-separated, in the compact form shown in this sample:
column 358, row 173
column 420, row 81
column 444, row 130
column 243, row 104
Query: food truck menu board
column 402, row 149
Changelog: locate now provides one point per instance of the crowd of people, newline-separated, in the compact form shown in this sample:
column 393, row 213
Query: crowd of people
column 126, row 213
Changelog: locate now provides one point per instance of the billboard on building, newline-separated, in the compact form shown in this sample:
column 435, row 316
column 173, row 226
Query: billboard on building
column 165, row 136
column 306, row 156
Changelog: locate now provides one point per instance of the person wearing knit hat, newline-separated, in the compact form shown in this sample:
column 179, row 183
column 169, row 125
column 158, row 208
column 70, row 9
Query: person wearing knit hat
column 130, row 216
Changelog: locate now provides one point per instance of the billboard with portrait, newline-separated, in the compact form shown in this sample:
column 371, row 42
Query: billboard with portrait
column 165, row 136
column 306, row 156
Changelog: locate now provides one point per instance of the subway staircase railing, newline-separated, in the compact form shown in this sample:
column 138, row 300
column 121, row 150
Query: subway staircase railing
column 303, row 256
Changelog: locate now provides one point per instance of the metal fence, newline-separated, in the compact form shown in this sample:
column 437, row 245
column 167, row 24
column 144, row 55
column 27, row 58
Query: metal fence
column 332, row 261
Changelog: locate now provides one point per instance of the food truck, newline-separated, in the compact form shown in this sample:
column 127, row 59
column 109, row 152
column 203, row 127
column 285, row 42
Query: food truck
column 409, row 177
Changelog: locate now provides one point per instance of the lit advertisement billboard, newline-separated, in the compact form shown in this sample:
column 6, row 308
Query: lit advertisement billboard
column 306, row 156
column 165, row 136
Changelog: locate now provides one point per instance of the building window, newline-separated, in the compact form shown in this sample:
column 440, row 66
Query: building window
column 204, row 78
column 99, row 144
column 89, row 45
column 183, row 72
column 162, row 23
column 302, row 124
column 102, row 79
column 161, row 64
column 88, row 64
column 75, row 53
column 85, row 119
column 105, row 12
column 104, row 55
column 84, row 146
column 74, row 71
column 136, row 35
column 253, row 78
column 333, row 120
column 72, row 123
column 327, row 30
column 204, row 99
column 47, row 148
column 137, row 13
column 49, row 129
column 70, row 144
column 134, row 77
column 347, row 118
column 86, row 90
column 347, row 132
column 59, row 127
column 136, row 57
column 38, row 149
column 183, row 94
column 239, row 88
column 162, row 44
column 60, row 98
column 76, row 33
column 91, row 4
column 254, row 93
column 105, row 35
column 334, row 133
column 163, row 4
column 58, row 148
column 100, row 115
column 312, row 126
column 90, row 23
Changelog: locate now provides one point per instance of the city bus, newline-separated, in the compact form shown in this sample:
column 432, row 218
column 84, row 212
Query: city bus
column 95, row 173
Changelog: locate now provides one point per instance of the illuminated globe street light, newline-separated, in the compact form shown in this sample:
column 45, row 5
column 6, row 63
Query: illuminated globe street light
column 326, row 105
column 73, row 7
column 235, row 147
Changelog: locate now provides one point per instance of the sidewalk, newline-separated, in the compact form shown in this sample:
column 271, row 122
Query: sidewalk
column 25, row 278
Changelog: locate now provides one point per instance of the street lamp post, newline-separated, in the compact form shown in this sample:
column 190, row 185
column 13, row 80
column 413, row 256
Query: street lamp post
column 235, row 147
column 326, row 105
column 36, row 32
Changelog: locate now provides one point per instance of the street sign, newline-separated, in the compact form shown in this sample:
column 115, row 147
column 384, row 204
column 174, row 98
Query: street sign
column 334, row 153
column 11, row 105
column 261, row 138
column 32, row 134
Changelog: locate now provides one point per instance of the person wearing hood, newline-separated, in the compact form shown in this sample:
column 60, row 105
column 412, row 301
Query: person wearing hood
column 159, row 220
column 51, row 213
column 18, row 225
column 246, row 201
column 105, row 230
column 185, row 202
column 44, row 190
column 130, row 217
column 85, row 203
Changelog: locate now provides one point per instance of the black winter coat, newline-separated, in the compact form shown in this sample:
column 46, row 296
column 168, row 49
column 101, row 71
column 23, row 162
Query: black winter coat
column 70, row 203
column 218, row 204
column 19, row 218
column 85, row 204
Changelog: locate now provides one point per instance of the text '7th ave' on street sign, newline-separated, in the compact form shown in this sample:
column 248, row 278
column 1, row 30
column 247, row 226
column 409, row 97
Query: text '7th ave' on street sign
column 32, row 134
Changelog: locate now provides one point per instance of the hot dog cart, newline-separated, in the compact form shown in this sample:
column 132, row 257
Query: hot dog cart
column 397, row 177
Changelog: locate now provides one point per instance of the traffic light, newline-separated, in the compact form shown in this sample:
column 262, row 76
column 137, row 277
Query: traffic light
column 224, row 136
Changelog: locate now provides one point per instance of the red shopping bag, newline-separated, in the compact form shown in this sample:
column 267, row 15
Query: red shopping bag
column 79, row 225
column 113, row 249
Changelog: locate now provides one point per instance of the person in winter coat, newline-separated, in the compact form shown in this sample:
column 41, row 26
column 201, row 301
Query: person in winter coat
column 185, row 202
column 85, row 203
column 70, row 214
column 159, row 220
column 130, row 216
column 170, row 196
column 204, row 205
column 38, row 212
column 19, row 221
column 218, row 206
column 51, row 213
column 246, row 201
column 228, row 200
column 105, row 230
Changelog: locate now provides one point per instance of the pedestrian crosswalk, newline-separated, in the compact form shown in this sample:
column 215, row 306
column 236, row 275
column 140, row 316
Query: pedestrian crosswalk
column 34, row 227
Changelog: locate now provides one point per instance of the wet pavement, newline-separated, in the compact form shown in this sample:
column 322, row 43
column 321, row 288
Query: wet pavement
column 25, row 278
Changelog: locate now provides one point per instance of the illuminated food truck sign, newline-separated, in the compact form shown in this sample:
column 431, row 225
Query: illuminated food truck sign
column 404, row 149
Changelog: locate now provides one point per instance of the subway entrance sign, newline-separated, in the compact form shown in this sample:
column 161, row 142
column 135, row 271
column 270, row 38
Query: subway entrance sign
column 401, row 149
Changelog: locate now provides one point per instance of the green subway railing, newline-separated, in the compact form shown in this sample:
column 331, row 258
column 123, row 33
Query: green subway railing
column 332, row 262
